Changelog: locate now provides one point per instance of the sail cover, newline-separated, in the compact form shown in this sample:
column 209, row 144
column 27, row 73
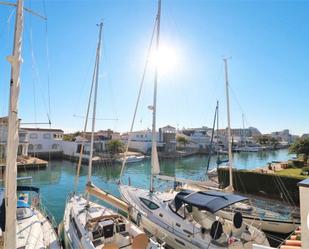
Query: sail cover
column 155, row 166
column 211, row 201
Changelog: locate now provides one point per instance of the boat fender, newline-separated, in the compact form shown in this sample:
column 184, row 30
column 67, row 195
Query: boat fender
column 237, row 220
column 216, row 230
column 138, row 218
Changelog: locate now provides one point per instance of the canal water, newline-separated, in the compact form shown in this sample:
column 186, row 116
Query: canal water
column 57, row 180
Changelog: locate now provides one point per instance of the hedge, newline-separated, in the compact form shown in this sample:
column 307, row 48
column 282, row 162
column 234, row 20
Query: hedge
column 270, row 185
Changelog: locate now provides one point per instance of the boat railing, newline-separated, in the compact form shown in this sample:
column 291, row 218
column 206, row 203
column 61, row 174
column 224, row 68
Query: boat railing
column 45, row 211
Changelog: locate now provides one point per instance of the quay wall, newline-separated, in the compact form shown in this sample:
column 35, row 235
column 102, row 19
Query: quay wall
column 262, row 184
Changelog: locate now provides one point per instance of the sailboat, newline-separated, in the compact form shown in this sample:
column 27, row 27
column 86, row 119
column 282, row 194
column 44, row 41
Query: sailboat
column 254, row 211
column 213, row 173
column 24, row 224
column 87, row 224
column 186, row 219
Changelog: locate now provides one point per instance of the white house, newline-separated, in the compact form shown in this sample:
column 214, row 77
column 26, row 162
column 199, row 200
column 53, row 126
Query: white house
column 23, row 140
column 44, row 142
column 141, row 140
column 71, row 149
column 198, row 138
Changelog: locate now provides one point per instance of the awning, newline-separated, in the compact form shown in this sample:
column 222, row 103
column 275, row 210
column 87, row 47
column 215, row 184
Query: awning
column 211, row 201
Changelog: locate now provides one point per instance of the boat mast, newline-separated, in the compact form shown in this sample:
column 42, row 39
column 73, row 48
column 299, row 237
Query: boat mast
column 94, row 107
column 230, row 163
column 84, row 132
column 13, row 138
column 154, row 154
column 212, row 138
column 243, row 130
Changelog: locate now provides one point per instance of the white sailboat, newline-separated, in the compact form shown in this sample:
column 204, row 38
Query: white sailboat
column 186, row 219
column 87, row 224
column 23, row 224
column 254, row 212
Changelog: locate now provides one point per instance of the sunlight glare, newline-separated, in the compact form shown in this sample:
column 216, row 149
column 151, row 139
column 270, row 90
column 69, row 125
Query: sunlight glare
column 166, row 58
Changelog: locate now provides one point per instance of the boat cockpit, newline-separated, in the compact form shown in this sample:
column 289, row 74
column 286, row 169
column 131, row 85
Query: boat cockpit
column 108, row 230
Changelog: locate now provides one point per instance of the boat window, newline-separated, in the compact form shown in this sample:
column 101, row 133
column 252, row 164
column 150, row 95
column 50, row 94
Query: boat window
column 23, row 213
column 151, row 205
column 183, row 211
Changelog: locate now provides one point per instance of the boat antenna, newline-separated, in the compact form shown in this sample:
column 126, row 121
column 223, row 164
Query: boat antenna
column 230, row 162
column 212, row 137
column 13, row 126
column 94, row 108
column 155, row 168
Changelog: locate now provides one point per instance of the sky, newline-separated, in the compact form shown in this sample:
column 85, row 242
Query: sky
column 268, row 69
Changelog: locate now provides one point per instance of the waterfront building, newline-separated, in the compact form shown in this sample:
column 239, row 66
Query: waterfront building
column 198, row 138
column 23, row 139
column 241, row 132
column 72, row 149
column 141, row 140
column 167, row 136
column 44, row 143
column 283, row 137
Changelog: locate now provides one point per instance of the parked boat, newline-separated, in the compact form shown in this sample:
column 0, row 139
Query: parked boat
column 248, row 149
column 131, row 159
column 186, row 219
column 189, row 219
column 87, row 224
column 24, row 223
column 261, row 217
column 36, row 228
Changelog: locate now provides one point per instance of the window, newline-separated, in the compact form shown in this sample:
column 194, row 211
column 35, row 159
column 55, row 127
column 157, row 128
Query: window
column 30, row 147
column 55, row 146
column 151, row 205
column 33, row 135
column 39, row 146
column 46, row 136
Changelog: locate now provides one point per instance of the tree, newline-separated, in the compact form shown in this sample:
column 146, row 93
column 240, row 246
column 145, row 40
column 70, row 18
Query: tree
column 115, row 146
column 300, row 146
column 267, row 140
column 182, row 140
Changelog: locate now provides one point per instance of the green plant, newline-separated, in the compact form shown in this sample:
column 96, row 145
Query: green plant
column 182, row 140
column 115, row 146
column 300, row 147
column 305, row 171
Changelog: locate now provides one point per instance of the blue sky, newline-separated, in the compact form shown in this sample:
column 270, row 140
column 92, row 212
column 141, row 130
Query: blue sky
column 267, row 40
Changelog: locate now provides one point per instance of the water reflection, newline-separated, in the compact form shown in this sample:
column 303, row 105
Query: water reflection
column 57, row 180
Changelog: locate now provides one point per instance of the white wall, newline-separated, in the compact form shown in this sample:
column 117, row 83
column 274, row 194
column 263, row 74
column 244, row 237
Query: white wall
column 44, row 142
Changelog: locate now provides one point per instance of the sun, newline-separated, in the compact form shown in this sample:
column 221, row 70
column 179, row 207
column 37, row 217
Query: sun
column 166, row 58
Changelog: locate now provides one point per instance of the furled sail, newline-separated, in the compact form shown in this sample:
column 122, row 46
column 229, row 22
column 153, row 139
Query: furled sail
column 155, row 166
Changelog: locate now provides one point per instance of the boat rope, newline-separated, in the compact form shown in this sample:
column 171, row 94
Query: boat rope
column 138, row 99
column 48, row 61
column 34, row 73
column 85, row 128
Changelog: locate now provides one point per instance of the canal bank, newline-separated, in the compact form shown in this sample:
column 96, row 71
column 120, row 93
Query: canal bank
column 57, row 180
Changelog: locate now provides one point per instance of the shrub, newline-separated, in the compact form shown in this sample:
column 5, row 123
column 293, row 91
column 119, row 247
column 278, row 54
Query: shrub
column 305, row 171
